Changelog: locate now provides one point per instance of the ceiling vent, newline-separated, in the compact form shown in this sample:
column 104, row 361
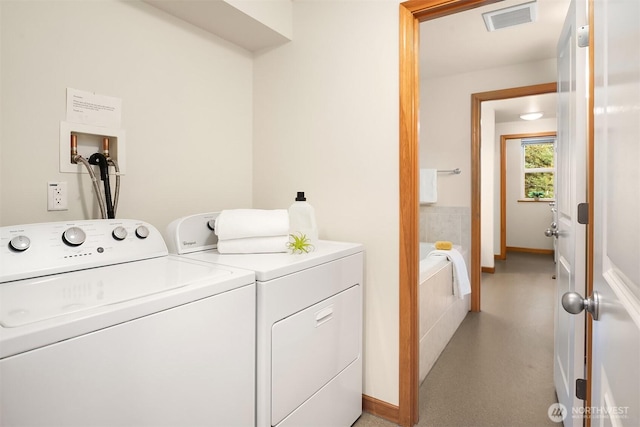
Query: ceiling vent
column 510, row 16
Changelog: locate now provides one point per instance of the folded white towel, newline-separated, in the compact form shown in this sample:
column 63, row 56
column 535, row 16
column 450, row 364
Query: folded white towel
column 254, row 245
column 428, row 185
column 461, row 283
column 243, row 223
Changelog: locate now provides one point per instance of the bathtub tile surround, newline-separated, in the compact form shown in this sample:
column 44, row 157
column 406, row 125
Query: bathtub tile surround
column 447, row 223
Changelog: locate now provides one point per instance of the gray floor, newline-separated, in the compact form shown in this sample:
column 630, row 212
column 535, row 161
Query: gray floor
column 497, row 370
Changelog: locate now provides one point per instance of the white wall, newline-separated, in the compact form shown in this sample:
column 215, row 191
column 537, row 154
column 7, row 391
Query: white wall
column 445, row 134
column 275, row 14
column 526, row 221
column 187, row 109
column 489, row 162
column 326, row 122
column 445, row 119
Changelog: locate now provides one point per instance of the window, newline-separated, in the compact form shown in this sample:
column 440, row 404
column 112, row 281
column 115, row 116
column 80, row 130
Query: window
column 538, row 167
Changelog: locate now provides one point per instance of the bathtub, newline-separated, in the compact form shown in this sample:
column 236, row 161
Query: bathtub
column 441, row 312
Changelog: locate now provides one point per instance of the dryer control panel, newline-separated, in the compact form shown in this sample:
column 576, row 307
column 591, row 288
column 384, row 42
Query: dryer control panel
column 33, row 250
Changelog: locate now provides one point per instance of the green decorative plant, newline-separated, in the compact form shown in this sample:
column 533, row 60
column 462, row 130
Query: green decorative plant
column 535, row 194
column 300, row 243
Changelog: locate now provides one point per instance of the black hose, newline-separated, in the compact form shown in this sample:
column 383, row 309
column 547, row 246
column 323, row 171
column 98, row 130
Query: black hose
column 100, row 160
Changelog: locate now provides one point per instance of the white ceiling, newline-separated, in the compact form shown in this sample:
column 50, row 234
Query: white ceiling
column 460, row 43
column 509, row 110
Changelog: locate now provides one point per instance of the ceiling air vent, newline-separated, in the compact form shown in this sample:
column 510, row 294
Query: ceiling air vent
column 510, row 16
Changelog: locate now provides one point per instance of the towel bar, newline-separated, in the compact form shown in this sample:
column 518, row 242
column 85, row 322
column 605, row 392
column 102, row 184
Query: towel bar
column 455, row 171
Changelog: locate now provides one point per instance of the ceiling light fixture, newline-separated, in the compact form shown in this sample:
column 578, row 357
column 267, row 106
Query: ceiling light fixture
column 531, row 116
column 510, row 16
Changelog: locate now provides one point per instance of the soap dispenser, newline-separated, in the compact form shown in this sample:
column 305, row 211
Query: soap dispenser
column 302, row 218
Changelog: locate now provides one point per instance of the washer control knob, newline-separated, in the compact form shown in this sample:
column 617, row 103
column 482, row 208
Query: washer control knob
column 74, row 236
column 142, row 232
column 119, row 233
column 20, row 243
column 211, row 224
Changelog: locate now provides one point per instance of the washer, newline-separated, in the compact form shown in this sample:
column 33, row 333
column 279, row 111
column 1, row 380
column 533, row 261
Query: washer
column 309, row 325
column 100, row 326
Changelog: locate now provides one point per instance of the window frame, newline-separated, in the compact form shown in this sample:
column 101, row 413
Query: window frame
column 524, row 170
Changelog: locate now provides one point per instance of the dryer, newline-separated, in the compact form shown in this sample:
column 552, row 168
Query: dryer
column 309, row 325
column 100, row 326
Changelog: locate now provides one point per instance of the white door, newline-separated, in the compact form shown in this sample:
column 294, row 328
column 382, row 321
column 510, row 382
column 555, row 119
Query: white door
column 616, row 335
column 571, row 175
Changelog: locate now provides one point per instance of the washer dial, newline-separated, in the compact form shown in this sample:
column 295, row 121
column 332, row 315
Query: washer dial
column 142, row 232
column 119, row 233
column 20, row 243
column 73, row 236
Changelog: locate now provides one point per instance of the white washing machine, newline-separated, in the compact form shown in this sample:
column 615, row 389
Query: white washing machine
column 99, row 326
column 309, row 325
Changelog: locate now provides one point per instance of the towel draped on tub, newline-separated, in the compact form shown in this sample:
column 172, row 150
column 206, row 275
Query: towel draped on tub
column 461, row 283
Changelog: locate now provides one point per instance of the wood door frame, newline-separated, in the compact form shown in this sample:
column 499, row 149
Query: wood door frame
column 476, row 112
column 411, row 13
column 503, row 184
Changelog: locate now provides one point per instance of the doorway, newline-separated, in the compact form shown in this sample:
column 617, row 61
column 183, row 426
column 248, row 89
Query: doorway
column 530, row 217
column 411, row 14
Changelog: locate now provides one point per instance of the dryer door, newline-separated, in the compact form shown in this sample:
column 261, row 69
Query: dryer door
column 311, row 347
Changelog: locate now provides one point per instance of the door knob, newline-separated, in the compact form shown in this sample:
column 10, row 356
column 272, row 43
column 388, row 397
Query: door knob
column 574, row 303
column 551, row 232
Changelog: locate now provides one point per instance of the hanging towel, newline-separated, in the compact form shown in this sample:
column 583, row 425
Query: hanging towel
column 254, row 245
column 243, row 223
column 428, row 185
column 461, row 283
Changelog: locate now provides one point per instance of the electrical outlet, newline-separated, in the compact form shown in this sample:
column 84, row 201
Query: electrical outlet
column 57, row 196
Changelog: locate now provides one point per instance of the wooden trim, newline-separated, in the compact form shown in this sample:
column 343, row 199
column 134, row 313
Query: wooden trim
column 503, row 184
column 380, row 408
column 503, row 198
column 530, row 250
column 475, row 272
column 425, row 10
column 411, row 14
column 476, row 102
column 409, row 220
column 490, row 270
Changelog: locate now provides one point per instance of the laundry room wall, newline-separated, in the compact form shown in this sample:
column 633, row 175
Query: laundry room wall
column 326, row 122
column 187, row 109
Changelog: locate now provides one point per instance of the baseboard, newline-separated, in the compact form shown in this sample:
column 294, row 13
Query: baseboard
column 380, row 409
column 530, row 250
column 488, row 270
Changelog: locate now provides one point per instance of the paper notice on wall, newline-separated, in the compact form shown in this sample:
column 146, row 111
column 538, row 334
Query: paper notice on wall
column 92, row 109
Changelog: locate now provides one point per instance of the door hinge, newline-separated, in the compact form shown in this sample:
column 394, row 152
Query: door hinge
column 583, row 213
column 583, row 36
column 581, row 389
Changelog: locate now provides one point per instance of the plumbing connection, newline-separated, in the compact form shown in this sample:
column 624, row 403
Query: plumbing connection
column 107, row 205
